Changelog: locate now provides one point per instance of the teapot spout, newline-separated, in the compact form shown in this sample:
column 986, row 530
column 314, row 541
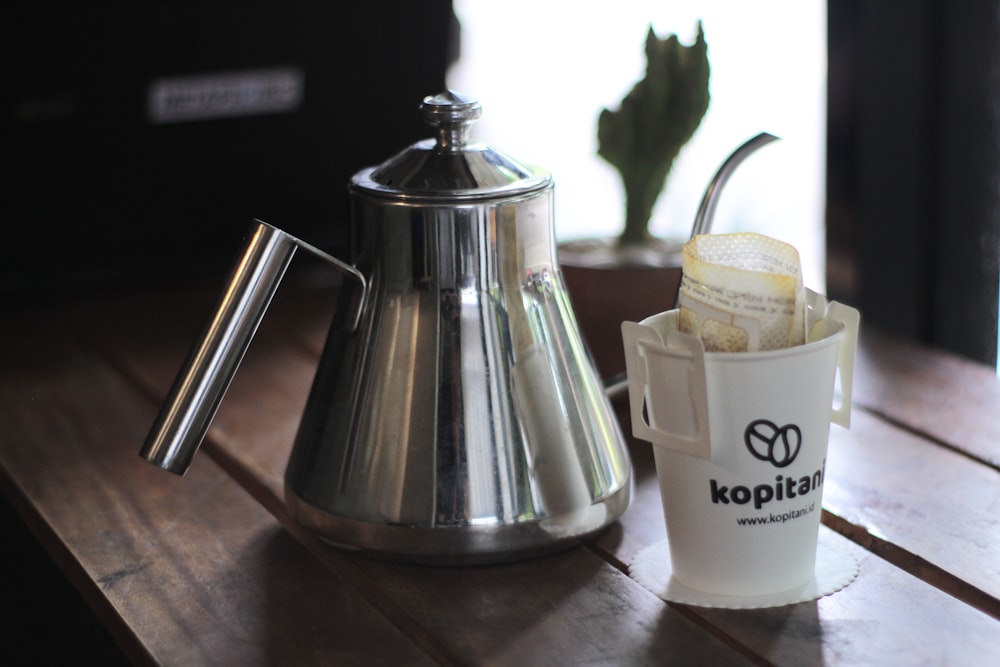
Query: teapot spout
column 710, row 200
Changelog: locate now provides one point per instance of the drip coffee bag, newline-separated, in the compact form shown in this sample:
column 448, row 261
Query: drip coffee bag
column 742, row 292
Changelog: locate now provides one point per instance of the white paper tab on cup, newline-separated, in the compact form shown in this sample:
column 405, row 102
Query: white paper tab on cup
column 670, row 367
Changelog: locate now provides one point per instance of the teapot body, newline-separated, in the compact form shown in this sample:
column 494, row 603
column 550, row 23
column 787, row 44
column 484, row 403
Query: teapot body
column 462, row 421
column 456, row 416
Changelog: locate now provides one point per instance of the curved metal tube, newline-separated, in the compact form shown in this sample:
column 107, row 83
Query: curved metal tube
column 710, row 200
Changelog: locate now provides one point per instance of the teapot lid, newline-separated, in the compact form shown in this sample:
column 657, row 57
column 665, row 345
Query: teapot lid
column 451, row 165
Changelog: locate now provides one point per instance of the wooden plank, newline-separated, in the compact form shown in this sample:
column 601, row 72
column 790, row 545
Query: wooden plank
column 182, row 571
column 929, row 502
column 564, row 609
column 948, row 398
column 252, row 440
column 570, row 608
column 886, row 616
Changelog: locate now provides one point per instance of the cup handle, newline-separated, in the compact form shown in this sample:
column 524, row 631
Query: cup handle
column 675, row 373
column 851, row 319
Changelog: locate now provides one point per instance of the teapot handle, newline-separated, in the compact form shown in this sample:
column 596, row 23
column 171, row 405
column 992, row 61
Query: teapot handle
column 197, row 391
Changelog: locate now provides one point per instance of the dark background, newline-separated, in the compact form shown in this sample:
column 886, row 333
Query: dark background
column 913, row 190
column 99, row 197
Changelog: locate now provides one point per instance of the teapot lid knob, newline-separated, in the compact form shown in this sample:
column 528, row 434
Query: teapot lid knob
column 452, row 114
column 452, row 166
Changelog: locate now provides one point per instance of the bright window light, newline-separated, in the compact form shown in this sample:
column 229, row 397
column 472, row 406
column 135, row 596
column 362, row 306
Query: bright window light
column 543, row 70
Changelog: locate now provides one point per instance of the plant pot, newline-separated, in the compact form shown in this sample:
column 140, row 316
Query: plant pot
column 609, row 284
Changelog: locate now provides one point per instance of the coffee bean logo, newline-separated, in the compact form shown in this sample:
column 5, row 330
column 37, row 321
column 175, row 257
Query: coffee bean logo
column 769, row 442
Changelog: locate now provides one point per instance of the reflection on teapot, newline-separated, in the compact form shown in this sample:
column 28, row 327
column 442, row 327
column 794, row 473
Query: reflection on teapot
column 455, row 416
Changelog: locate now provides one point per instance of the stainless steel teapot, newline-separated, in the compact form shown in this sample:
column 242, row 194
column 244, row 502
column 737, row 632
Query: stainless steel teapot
column 455, row 416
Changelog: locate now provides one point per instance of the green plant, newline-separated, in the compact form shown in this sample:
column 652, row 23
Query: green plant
column 643, row 137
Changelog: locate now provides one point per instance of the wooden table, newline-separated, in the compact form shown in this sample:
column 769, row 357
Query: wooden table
column 208, row 568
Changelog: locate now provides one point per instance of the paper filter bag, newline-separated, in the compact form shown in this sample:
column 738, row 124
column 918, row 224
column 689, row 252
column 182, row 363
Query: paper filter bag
column 742, row 292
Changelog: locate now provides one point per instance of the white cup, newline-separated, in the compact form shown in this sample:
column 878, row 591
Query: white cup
column 740, row 442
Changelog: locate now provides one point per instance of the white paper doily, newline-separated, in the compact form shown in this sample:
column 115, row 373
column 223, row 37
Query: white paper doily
column 835, row 569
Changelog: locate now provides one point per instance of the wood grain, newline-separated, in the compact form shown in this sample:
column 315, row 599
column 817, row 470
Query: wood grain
column 929, row 502
column 845, row 628
column 211, row 564
column 947, row 398
column 244, row 433
column 481, row 614
column 183, row 571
